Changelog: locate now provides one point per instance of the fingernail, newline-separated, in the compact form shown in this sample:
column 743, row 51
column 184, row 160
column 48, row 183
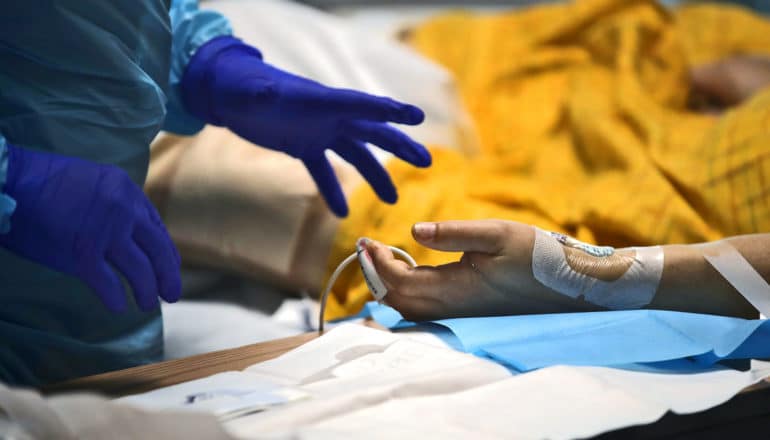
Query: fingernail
column 424, row 231
column 366, row 243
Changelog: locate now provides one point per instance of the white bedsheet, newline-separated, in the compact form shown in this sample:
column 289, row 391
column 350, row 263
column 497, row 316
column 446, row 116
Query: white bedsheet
column 194, row 327
column 365, row 383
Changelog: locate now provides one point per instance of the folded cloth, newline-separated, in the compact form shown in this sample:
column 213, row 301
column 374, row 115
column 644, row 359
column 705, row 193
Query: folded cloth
column 613, row 338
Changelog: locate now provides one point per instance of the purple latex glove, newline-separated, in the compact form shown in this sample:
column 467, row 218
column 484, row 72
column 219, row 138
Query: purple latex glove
column 226, row 83
column 89, row 221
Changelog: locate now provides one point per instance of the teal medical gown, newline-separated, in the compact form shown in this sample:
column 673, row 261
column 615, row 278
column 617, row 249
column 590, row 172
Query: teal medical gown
column 95, row 79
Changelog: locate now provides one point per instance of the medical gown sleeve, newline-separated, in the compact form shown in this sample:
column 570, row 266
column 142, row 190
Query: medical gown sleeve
column 191, row 29
column 7, row 204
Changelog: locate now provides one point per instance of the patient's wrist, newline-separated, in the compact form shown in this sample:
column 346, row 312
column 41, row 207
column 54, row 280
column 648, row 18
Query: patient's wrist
column 614, row 279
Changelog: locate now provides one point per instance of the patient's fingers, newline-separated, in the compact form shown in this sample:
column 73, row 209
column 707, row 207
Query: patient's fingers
column 712, row 81
column 732, row 80
column 487, row 236
column 423, row 292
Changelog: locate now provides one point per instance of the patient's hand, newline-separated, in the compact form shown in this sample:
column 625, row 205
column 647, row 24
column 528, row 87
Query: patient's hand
column 493, row 277
column 728, row 82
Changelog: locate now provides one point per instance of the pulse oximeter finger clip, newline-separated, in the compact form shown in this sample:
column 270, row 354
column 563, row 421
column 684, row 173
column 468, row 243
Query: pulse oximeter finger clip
column 373, row 281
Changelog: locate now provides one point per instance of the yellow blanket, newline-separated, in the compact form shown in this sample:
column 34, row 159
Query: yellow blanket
column 581, row 113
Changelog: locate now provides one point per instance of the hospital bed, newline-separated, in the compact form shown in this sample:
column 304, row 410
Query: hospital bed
column 292, row 318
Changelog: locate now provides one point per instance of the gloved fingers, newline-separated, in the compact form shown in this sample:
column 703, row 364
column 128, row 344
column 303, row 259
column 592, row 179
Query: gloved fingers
column 155, row 217
column 130, row 261
column 158, row 247
column 358, row 105
column 389, row 139
column 328, row 185
column 107, row 286
column 370, row 168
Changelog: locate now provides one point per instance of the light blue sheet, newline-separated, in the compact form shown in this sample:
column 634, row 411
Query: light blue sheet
column 610, row 338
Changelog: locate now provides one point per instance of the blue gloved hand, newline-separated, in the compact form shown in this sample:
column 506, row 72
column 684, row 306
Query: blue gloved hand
column 89, row 221
column 226, row 83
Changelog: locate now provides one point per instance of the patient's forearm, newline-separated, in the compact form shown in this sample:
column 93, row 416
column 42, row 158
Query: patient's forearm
column 715, row 277
column 513, row 268
column 690, row 283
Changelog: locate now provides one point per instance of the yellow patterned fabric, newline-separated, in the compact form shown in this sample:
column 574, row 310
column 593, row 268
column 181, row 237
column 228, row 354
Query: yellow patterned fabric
column 581, row 110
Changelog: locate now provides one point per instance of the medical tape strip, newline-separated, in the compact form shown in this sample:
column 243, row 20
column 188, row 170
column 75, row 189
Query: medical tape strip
column 737, row 271
column 635, row 289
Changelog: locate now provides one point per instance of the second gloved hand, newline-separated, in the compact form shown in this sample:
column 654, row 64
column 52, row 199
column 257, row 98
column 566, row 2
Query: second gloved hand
column 226, row 83
column 89, row 220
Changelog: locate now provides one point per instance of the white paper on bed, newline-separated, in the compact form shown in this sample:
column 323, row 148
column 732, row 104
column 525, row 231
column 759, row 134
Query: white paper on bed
column 328, row 375
column 359, row 388
column 225, row 395
column 353, row 366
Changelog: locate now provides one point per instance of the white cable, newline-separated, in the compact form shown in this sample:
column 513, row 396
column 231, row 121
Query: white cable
column 342, row 267
column 402, row 253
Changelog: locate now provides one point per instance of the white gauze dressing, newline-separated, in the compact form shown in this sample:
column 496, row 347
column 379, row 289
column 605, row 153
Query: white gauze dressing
column 634, row 289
